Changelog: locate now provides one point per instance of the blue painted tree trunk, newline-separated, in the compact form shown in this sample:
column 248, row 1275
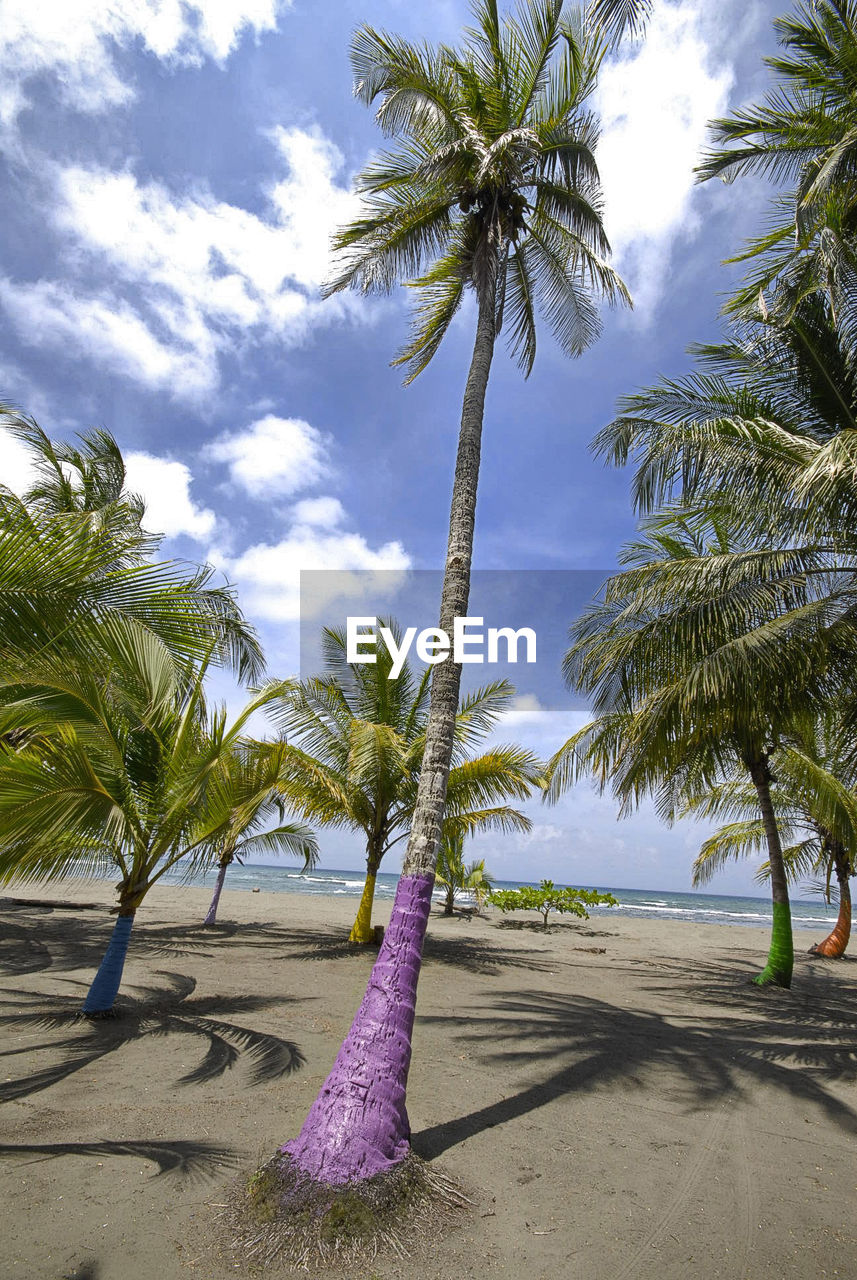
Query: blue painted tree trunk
column 105, row 984
column 211, row 918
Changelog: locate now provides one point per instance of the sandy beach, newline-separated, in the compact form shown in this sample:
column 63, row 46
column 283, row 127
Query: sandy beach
column 615, row 1098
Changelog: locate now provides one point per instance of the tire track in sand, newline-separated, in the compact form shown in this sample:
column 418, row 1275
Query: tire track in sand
column 710, row 1144
column 751, row 1204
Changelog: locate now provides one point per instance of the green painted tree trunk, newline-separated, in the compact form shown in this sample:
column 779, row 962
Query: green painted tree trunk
column 778, row 970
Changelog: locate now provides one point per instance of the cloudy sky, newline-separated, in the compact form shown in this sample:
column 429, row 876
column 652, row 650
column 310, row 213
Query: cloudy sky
column 172, row 171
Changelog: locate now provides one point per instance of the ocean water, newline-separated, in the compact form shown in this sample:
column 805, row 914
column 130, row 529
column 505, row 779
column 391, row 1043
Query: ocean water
column 652, row 904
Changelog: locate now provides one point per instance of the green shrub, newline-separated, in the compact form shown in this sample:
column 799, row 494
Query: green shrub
column 550, row 897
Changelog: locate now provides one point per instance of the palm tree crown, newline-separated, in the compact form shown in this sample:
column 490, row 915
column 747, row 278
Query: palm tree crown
column 492, row 184
column 357, row 737
column 74, row 563
column 805, row 130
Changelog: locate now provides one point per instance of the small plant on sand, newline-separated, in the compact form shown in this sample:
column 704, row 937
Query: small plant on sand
column 455, row 876
column 550, row 897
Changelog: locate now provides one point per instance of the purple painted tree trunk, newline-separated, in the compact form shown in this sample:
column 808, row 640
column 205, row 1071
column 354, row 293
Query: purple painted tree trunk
column 211, row 918
column 358, row 1125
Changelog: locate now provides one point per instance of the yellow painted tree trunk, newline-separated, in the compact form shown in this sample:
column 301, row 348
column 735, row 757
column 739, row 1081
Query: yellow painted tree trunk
column 362, row 930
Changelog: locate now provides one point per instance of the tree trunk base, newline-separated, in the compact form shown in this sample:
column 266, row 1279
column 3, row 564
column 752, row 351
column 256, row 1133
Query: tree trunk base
column 781, row 957
column 358, row 1125
column 772, row 978
column 362, row 932
column 280, row 1215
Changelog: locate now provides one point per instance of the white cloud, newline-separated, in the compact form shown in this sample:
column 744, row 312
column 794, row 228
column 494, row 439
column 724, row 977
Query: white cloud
column 110, row 332
column 320, row 513
column 222, row 258
column 165, row 487
column 191, row 277
column 16, row 467
column 655, row 101
column 76, row 40
column 310, row 203
column 274, row 456
column 544, row 833
column 268, row 576
column 283, row 457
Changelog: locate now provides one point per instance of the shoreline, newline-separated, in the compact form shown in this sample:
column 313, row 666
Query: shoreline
column 101, row 893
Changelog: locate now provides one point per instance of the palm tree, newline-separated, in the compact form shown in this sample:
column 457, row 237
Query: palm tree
column 358, row 735
column 244, row 798
column 804, row 132
column 491, row 188
column 73, row 560
column 771, row 414
column 618, row 18
column 788, row 266
column 806, row 127
column 125, row 773
column 816, row 806
column 455, row 876
column 689, row 685
column 86, row 479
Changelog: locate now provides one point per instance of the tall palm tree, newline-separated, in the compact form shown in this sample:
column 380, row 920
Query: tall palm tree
column 86, row 479
column 491, row 189
column 358, row 734
column 786, row 267
column 689, row 685
column 620, row 18
column 816, row 806
column 804, row 133
column 124, row 773
column 770, row 414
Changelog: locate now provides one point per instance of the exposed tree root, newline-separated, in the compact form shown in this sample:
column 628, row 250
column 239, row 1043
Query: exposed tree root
column 281, row 1216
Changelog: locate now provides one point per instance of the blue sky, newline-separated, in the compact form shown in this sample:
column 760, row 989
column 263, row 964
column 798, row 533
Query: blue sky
column 172, row 171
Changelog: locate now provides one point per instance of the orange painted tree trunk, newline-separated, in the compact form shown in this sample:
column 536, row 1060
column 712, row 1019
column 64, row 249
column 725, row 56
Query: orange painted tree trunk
column 833, row 946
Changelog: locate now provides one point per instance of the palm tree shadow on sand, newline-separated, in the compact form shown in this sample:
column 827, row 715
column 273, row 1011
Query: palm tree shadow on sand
column 475, row 954
column 793, row 1041
column 195, row 1161
column 170, row 1008
column 39, row 935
